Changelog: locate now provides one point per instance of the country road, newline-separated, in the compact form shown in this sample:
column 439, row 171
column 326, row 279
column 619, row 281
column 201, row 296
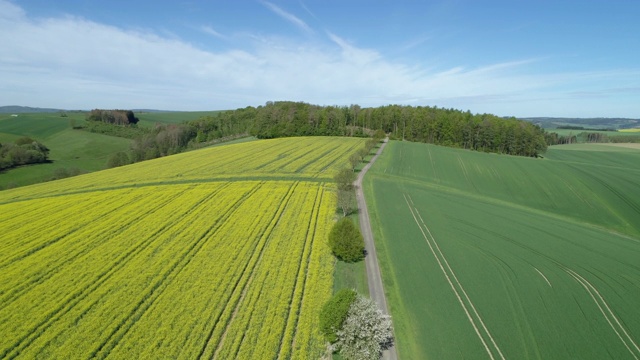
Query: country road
column 376, row 290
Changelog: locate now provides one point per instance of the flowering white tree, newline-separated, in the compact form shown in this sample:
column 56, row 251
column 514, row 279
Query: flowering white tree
column 365, row 332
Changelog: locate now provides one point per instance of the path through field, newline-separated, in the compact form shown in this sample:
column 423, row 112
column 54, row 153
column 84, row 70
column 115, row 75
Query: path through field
column 371, row 260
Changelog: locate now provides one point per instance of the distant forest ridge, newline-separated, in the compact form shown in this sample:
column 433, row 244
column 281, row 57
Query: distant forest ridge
column 587, row 123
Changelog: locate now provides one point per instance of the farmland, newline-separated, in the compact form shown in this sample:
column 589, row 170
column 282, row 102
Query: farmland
column 213, row 253
column 497, row 257
column 70, row 149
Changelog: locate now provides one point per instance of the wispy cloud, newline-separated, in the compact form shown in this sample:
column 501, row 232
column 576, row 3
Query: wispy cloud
column 413, row 43
column 210, row 31
column 288, row 16
column 76, row 63
column 308, row 11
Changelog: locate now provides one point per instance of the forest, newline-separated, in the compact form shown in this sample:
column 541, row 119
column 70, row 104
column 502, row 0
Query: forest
column 447, row 127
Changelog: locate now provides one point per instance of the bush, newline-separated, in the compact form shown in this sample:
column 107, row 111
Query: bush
column 25, row 140
column 61, row 173
column 334, row 313
column 365, row 332
column 118, row 159
column 346, row 241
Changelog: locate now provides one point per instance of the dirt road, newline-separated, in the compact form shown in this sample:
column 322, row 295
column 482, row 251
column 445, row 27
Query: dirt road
column 371, row 260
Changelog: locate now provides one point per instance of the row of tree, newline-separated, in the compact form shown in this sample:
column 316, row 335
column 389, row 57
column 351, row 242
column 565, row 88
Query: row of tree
column 23, row 151
column 115, row 117
column 448, row 127
column 552, row 138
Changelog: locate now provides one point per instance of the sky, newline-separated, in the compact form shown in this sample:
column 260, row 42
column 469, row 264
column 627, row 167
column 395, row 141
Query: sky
column 522, row 58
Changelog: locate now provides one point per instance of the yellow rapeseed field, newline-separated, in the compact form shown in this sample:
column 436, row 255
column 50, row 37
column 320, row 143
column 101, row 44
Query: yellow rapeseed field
column 217, row 253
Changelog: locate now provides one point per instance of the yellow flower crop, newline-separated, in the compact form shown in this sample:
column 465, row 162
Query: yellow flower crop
column 219, row 252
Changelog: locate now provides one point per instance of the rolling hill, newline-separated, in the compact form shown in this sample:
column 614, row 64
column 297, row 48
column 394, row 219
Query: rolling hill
column 489, row 256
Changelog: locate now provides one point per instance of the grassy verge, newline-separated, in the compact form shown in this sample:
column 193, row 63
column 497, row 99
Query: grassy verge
column 351, row 275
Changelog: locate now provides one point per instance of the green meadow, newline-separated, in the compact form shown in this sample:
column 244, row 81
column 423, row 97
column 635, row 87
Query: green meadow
column 489, row 256
column 70, row 149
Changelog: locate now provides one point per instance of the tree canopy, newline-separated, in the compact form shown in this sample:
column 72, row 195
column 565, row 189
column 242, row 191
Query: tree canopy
column 346, row 241
column 115, row 117
column 365, row 333
column 23, row 151
column 440, row 126
column 334, row 313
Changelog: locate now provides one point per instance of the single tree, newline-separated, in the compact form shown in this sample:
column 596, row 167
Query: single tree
column 354, row 160
column 344, row 179
column 346, row 241
column 346, row 201
column 362, row 153
column 365, row 333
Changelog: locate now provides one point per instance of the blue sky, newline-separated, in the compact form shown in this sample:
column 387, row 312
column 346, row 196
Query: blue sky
column 510, row 58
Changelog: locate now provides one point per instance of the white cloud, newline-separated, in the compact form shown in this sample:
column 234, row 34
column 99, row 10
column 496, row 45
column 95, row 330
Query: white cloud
column 209, row 30
column 288, row 16
column 10, row 11
column 71, row 62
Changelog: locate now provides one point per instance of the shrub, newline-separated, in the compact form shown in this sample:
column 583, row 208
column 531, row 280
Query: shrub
column 346, row 241
column 365, row 332
column 334, row 313
column 118, row 159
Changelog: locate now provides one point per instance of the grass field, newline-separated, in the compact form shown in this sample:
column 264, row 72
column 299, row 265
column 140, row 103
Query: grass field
column 69, row 148
column 218, row 253
column 495, row 257
column 72, row 149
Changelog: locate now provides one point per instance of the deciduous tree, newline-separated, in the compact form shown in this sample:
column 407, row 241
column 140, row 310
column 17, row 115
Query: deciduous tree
column 365, row 333
column 346, row 241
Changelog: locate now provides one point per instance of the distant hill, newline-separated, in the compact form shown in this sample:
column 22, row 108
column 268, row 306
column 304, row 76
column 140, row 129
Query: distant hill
column 153, row 111
column 15, row 109
column 593, row 123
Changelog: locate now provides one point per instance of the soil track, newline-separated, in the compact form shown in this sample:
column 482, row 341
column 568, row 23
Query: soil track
column 376, row 290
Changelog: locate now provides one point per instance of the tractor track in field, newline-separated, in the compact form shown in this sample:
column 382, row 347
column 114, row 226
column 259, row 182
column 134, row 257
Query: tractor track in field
column 469, row 308
column 376, row 291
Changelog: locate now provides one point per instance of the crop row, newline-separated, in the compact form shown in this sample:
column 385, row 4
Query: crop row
column 177, row 271
column 307, row 157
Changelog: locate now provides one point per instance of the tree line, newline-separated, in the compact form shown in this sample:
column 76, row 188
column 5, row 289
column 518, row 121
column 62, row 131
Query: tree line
column 553, row 138
column 448, row 127
column 23, row 151
column 115, row 117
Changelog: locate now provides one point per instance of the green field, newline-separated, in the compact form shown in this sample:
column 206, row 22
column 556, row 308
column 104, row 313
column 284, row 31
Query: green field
column 70, row 149
column 491, row 256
